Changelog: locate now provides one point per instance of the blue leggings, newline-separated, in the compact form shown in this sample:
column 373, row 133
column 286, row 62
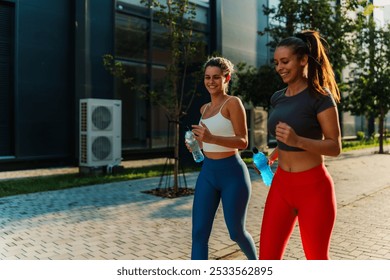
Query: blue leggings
column 227, row 179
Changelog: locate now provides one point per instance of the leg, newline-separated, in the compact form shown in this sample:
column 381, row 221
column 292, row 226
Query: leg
column 236, row 188
column 316, row 219
column 278, row 224
column 206, row 201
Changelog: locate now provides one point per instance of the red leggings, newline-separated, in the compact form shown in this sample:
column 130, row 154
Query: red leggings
column 306, row 196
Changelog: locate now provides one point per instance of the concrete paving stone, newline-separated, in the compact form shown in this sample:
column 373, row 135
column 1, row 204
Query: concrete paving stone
column 17, row 257
column 382, row 251
column 386, row 238
column 366, row 248
column 177, row 255
column 155, row 256
column 125, row 218
column 356, row 252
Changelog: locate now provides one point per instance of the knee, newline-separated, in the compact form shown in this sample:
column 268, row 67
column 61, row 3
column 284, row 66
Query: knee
column 200, row 235
column 237, row 235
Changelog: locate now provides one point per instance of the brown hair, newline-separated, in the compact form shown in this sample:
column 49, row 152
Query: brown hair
column 225, row 64
column 320, row 73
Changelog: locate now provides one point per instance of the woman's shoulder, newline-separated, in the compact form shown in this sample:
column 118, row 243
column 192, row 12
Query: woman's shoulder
column 233, row 98
column 233, row 101
column 232, row 105
column 322, row 101
column 277, row 95
column 203, row 107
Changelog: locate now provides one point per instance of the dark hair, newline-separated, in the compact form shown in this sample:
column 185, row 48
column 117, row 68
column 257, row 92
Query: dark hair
column 320, row 73
column 225, row 64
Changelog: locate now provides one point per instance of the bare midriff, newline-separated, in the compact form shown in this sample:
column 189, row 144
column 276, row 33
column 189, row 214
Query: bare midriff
column 219, row 155
column 298, row 161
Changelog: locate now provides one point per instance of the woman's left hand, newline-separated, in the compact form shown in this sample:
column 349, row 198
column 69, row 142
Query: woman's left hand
column 286, row 134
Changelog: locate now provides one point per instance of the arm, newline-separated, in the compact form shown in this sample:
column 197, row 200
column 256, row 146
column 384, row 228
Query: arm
column 330, row 145
column 235, row 111
column 273, row 156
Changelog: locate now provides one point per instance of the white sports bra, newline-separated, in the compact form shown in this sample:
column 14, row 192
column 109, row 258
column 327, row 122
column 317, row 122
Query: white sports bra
column 220, row 126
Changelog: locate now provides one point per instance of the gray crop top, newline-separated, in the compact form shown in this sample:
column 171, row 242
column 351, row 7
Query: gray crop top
column 300, row 112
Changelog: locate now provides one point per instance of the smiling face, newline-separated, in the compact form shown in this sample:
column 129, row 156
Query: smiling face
column 289, row 66
column 214, row 80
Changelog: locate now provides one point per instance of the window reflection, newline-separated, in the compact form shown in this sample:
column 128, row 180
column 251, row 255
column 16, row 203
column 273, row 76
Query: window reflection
column 161, row 131
column 134, row 110
column 145, row 125
column 160, row 45
column 131, row 37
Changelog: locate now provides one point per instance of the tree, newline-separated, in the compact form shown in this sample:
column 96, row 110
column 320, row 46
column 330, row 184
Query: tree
column 256, row 85
column 287, row 19
column 174, row 97
column 369, row 85
column 329, row 17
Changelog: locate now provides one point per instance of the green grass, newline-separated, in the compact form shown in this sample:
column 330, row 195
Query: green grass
column 362, row 144
column 59, row 182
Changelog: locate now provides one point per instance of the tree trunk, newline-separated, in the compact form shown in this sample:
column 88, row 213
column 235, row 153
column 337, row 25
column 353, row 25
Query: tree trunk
column 176, row 157
column 381, row 130
column 176, row 118
column 371, row 126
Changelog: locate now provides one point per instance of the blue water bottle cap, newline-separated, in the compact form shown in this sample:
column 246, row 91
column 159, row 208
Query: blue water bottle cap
column 255, row 150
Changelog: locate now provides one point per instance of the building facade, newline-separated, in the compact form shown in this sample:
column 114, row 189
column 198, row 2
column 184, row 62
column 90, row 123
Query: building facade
column 51, row 57
column 37, row 81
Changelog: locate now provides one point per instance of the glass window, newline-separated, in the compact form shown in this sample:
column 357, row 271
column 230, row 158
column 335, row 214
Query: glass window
column 160, row 46
column 131, row 37
column 145, row 125
column 134, row 110
column 161, row 130
column 201, row 15
column 161, row 50
column 202, row 48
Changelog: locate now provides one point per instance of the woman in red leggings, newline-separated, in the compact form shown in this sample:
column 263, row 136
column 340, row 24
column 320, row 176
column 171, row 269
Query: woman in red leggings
column 304, row 121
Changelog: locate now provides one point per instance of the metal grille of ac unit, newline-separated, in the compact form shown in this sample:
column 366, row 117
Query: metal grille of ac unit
column 102, row 148
column 83, row 117
column 100, row 132
column 83, row 148
column 101, row 118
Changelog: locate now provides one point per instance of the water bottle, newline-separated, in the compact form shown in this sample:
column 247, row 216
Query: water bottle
column 261, row 162
column 196, row 151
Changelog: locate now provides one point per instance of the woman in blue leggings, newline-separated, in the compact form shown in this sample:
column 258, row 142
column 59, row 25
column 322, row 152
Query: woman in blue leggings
column 222, row 131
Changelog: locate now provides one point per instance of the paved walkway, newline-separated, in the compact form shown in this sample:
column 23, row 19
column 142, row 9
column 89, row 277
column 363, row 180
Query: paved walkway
column 118, row 221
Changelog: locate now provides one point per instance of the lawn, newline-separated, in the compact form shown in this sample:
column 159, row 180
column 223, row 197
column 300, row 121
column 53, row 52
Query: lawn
column 58, row 182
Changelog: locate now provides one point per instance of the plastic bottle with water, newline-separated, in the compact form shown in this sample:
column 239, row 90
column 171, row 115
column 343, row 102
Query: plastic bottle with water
column 261, row 162
column 194, row 145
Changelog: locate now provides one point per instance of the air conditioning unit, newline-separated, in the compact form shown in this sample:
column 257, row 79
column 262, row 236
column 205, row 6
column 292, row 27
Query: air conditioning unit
column 100, row 132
